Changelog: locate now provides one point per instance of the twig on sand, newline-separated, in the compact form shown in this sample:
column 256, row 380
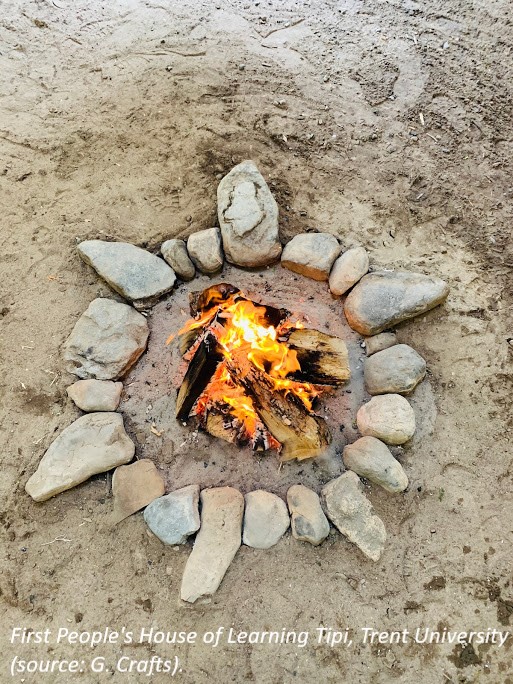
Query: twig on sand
column 63, row 539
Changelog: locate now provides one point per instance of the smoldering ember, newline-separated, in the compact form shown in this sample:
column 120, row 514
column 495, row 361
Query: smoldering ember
column 272, row 368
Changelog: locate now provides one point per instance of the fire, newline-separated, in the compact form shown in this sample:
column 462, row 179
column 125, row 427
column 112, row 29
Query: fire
column 242, row 327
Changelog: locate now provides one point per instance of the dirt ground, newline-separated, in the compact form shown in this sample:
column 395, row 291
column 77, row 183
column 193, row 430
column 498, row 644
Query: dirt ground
column 386, row 123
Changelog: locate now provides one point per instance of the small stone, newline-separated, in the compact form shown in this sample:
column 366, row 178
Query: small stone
column 388, row 417
column 348, row 269
column 379, row 342
column 382, row 299
column 106, row 341
column 248, row 216
column 96, row 395
column 176, row 254
column 134, row 486
column 398, row 370
column 138, row 275
column 205, row 250
column 370, row 458
column 308, row 521
column 351, row 512
column 216, row 543
column 266, row 519
column 93, row 444
column 174, row 517
column 311, row 254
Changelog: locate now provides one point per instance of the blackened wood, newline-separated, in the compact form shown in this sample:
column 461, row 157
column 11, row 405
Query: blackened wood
column 204, row 300
column 323, row 358
column 201, row 368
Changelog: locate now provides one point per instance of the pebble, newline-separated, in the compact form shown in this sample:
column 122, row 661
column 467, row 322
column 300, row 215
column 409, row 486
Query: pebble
column 205, row 250
column 174, row 517
column 217, row 542
column 106, row 341
column 370, row 458
column 398, row 370
column 308, row 522
column 383, row 299
column 134, row 486
column 311, row 254
column 138, row 275
column 248, row 216
column 266, row 519
column 352, row 514
column 95, row 395
column 379, row 342
column 93, row 444
column 176, row 254
column 388, row 417
column 348, row 269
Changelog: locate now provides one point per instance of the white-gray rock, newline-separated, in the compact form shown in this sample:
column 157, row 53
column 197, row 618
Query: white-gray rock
column 106, row 341
column 93, row 444
column 370, row 458
column 266, row 519
column 351, row 512
column 174, row 517
column 398, row 370
column 388, row 417
column 216, row 543
column 308, row 522
column 138, row 275
column 311, row 254
column 379, row 342
column 175, row 253
column 248, row 216
column 134, row 486
column 348, row 269
column 205, row 250
column 95, row 395
column 382, row 299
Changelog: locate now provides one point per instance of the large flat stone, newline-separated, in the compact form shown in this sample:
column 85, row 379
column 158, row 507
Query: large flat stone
column 370, row 458
column 174, row 517
column 216, row 544
column 106, row 341
column 93, row 444
column 138, row 275
column 351, row 512
column 266, row 519
column 384, row 299
column 398, row 370
column 311, row 254
column 134, row 486
column 248, row 217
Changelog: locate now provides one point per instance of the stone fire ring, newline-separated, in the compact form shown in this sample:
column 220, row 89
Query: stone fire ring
column 110, row 337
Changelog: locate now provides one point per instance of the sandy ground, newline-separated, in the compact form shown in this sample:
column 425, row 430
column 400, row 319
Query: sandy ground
column 387, row 124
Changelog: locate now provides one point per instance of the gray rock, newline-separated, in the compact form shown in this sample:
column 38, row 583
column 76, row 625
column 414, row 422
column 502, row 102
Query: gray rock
column 388, row 417
column 266, row 519
column 134, row 486
column 308, row 521
column 216, row 543
column 106, row 341
column 311, row 254
column 379, row 342
column 348, row 269
column 174, row 517
column 176, row 254
column 93, row 444
column 205, row 250
column 398, row 370
column 352, row 513
column 95, row 395
column 383, row 299
column 248, row 216
column 370, row 458
column 138, row 275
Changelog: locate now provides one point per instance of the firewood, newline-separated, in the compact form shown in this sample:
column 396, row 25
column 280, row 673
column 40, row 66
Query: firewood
column 302, row 434
column 219, row 425
column 323, row 358
column 201, row 368
column 204, row 300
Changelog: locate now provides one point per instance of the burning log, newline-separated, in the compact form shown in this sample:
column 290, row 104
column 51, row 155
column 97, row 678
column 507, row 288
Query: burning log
column 199, row 373
column 323, row 358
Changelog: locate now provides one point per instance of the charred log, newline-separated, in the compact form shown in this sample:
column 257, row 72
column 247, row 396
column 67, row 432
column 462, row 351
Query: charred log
column 323, row 358
column 201, row 368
